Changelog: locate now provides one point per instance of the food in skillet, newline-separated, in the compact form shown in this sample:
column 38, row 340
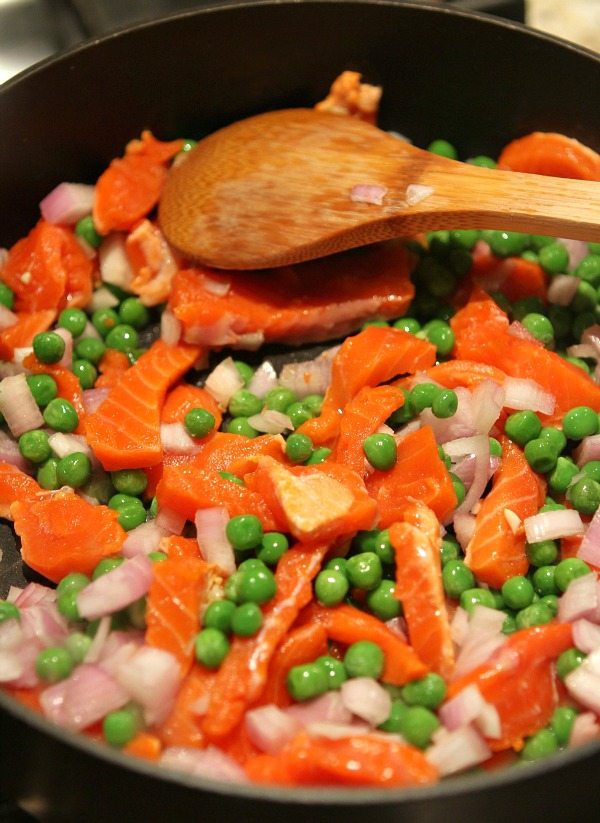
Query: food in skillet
column 374, row 567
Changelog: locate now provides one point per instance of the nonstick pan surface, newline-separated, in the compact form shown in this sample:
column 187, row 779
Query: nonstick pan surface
column 478, row 81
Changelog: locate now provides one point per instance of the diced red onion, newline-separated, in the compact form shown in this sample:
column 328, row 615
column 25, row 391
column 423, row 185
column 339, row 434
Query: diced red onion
column 66, row 361
column 19, row 355
column 216, row 287
column 327, row 708
column 583, row 682
column 397, row 626
column 469, row 706
column 263, row 380
column 13, row 593
column 589, row 548
column 68, row 203
column 84, row 698
column 270, row 728
column 93, row 398
column 588, row 449
column 586, row 635
column 171, row 521
column 479, row 447
column 562, row 289
column 461, row 424
column 115, row 267
column 44, row 622
column 483, row 637
column 580, row 599
column 464, row 528
column 310, row 376
column 523, row 393
column 210, row 530
column 7, row 318
column 17, row 404
column 487, row 403
column 416, row 192
column 250, row 341
column 119, row 647
column 35, row 593
column 64, row 444
column 371, row 193
column 517, row 329
column 143, row 539
column 97, row 645
column 585, row 728
column 584, row 350
column 270, row 421
column 152, row 677
column 170, row 328
column 175, row 439
column 223, row 381
column 578, row 249
column 116, row 589
column 10, row 453
column 210, row 762
column 336, row 731
column 553, row 524
column 459, row 626
column 367, row 699
column 103, row 298
column 457, row 750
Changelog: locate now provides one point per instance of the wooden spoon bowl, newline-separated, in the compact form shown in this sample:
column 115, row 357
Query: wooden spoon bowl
column 293, row 185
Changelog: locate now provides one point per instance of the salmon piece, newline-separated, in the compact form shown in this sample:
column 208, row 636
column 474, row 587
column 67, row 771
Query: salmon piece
column 153, row 262
column 243, row 674
column 14, row 485
column 145, row 746
column 553, row 154
column 130, row 187
column 124, row 431
column 111, row 368
column 21, row 334
column 363, row 416
column 324, row 502
column 419, row 474
column 174, row 545
column 359, row 760
column 173, row 606
column 310, row 302
column 347, row 624
column 302, row 645
column 375, row 355
column 496, row 552
column 520, row 681
column 62, row 533
column 514, row 277
column 67, row 385
column 350, row 97
column 416, row 542
column 182, row 726
column 467, row 373
column 183, row 398
column 48, row 269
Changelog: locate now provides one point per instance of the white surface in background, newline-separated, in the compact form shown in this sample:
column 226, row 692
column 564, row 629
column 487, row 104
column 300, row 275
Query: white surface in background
column 575, row 20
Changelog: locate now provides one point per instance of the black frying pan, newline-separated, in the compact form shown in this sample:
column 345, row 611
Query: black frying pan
column 475, row 80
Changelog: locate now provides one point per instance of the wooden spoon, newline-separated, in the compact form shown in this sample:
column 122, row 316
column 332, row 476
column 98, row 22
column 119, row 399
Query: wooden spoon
column 282, row 187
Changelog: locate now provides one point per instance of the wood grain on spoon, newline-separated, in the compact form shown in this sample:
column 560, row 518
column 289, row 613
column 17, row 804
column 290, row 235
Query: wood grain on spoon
column 275, row 189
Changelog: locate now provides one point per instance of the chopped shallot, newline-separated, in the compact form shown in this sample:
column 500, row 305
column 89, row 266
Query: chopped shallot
column 263, row 380
column 367, row 699
column 523, row 393
column 84, row 698
column 368, row 193
column 469, row 706
column 270, row 421
column 7, row 318
column 68, row 203
column 580, row 599
column 18, row 405
column 116, row 589
column 457, row 750
column 212, row 539
column 174, row 438
column 170, row 328
column 562, row 289
column 151, row 676
column 416, row 192
column 143, row 539
column 223, row 382
column 553, row 524
column 210, row 762
column 115, row 267
column 586, row 635
column 583, row 683
column 270, row 727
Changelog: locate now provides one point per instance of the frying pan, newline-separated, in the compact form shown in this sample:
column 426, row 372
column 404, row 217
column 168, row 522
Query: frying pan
column 475, row 80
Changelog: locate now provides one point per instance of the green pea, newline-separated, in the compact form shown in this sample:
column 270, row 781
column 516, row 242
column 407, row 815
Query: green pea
column 421, row 396
column 382, row 601
column 130, row 509
column 244, row 404
column 60, row 415
column 279, row 398
column 104, row 320
column 34, row 446
column 525, row 306
column 298, row 447
column 334, row 669
column 536, row 614
column 48, row 347
column 244, row 532
column 539, row 745
column 123, row 338
column 580, row 422
column 582, row 321
column 382, row 547
column 543, row 553
column 157, row 557
column 272, row 546
column 307, row 681
column 554, row 258
column 449, row 549
column 211, row 647
column 544, row 580
column 403, row 414
column 85, row 372
column 561, row 319
column 380, row 450
column 364, row 659
column 506, row 243
column 441, row 335
column 46, row 474
column 464, row 238
column 43, row 388
column 199, row 422
column 475, row 596
column 318, row 456
column 257, row 585
column 408, row 324
column 457, row 578
column 561, row 723
column 132, row 312
column 364, row 570
column 592, row 469
column 86, row 230
column 375, row 322
column 561, row 476
column 297, row 413
column 540, row 327
column 331, row 587
column 53, row 664
column 340, row 564
column 107, row 564
column 417, row 726
column 121, row 726
column 75, row 581
column 510, row 624
column 517, row 592
column 246, row 620
column 540, row 454
column 551, row 601
column 7, row 296
column 240, row 425
column 394, row 722
column 495, row 447
column 428, row 691
column 91, row 349
column 444, row 148
column 218, row 615
column 567, row 570
column 568, row 661
column 232, row 478
column 8, row 611
column 584, row 494
column 523, row 426
column 74, row 470
column 439, row 281
column 445, row 403
column 483, row 161
column 460, row 262
column 131, row 482
column 78, row 644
